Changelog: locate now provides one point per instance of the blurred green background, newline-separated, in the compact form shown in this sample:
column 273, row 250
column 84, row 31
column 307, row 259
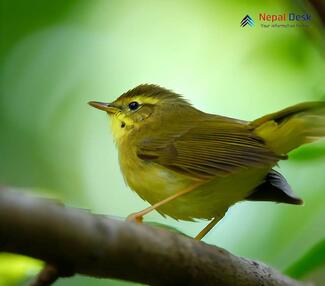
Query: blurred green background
column 55, row 56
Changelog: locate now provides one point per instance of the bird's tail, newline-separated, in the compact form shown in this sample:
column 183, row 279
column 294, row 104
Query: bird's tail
column 289, row 128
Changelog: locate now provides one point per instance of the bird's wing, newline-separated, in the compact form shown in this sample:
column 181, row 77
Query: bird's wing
column 210, row 148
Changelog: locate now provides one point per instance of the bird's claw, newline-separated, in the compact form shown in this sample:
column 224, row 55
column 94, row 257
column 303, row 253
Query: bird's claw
column 135, row 218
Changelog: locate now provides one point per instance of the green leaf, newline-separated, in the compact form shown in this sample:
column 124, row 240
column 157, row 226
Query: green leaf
column 310, row 261
column 16, row 268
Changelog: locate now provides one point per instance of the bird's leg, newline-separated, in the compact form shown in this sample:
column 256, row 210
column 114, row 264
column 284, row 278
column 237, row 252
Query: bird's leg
column 138, row 216
column 211, row 224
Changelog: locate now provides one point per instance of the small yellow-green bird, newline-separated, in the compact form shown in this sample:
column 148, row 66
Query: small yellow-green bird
column 189, row 164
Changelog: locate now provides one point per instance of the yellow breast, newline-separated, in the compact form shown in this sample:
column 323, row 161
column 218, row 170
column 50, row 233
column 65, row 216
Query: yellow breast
column 150, row 181
column 154, row 183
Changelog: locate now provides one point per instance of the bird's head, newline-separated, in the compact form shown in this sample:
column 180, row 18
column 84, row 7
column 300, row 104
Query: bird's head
column 143, row 105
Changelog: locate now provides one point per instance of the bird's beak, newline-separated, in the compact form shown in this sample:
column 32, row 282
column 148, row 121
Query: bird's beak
column 108, row 107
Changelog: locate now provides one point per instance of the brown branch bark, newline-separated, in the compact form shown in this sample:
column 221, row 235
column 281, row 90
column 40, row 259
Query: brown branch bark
column 76, row 241
column 47, row 276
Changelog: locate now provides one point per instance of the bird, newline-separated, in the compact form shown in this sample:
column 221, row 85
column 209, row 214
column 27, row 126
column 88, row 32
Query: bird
column 190, row 165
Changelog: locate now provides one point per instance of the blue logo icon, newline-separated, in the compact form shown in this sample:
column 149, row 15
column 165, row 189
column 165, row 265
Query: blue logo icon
column 247, row 20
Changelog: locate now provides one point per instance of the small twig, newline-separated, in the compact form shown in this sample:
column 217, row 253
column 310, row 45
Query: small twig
column 47, row 276
column 319, row 6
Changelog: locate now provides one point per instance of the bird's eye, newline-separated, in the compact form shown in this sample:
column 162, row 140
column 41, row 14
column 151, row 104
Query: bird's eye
column 134, row 105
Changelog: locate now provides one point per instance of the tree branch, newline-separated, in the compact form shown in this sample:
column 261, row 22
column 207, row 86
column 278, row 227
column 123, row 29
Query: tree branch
column 76, row 241
column 319, row 7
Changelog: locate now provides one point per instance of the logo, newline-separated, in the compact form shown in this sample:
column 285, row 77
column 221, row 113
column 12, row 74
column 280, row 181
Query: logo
column 247, row 20
column 281, row 20
column 285, row 20
column 284, row 17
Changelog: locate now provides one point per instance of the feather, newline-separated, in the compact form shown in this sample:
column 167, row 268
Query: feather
column 209, row 147
column 275, row 188
column 291, row 127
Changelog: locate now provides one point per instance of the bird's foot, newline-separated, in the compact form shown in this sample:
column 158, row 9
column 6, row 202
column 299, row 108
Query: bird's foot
column 135, row 217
